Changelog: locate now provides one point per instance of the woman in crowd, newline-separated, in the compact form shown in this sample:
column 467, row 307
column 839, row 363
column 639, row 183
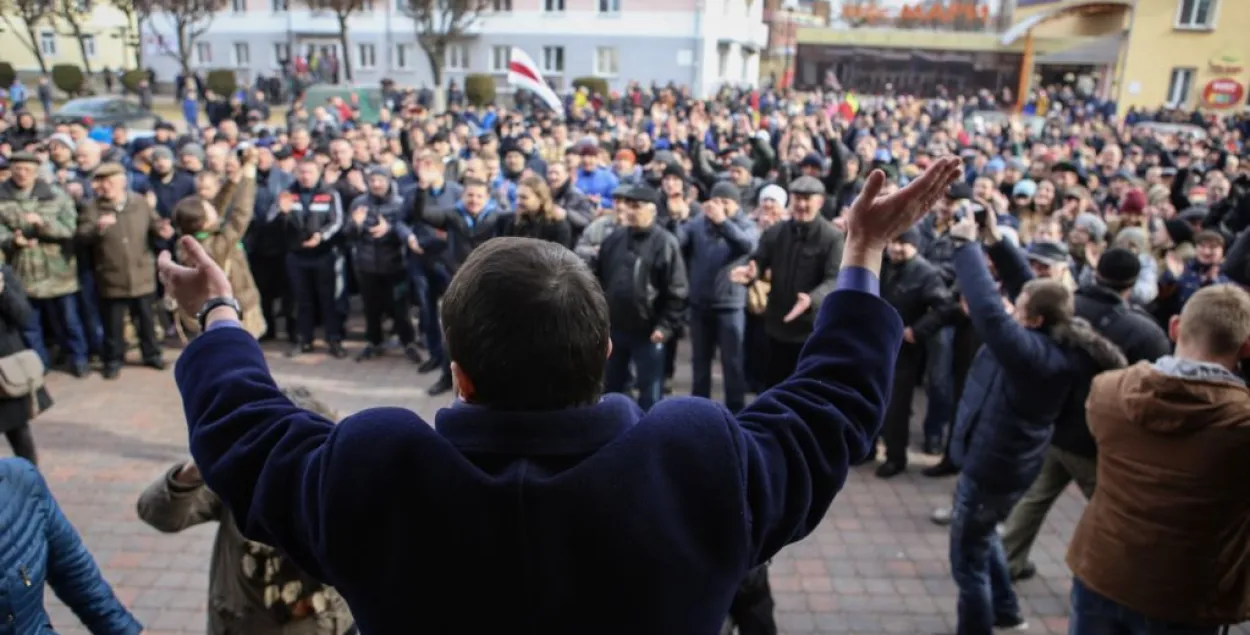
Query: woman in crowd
column 38, row 548
column 16, row 412
column 252, row 588
column 537, row 215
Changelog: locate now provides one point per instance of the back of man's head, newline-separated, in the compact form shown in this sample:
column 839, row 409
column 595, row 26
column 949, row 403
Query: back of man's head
column 527, row 324
column 1214, row 324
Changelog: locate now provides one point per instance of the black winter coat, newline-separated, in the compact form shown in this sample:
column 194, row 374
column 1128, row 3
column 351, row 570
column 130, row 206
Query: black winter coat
column 915, row 289
column 803, row 258
column 644, row 280
column 382, row 255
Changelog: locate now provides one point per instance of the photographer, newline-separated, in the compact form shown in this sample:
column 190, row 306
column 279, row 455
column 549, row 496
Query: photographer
column 1015, row 392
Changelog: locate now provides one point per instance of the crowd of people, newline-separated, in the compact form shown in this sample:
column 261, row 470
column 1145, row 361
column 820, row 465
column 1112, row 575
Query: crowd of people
column 1089, row 258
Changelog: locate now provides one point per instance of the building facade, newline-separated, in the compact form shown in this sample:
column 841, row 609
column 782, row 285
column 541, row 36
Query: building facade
column 1140, row 53
column 698, row 43
column 106, row 37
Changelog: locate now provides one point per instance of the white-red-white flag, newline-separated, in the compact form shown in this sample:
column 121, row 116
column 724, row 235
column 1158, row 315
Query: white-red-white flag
column 524, row 73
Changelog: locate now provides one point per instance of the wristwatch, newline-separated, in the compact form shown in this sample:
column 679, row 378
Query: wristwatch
column 213, row 303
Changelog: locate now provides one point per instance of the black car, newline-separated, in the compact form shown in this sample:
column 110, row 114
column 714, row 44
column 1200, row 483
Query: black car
column 105, row 111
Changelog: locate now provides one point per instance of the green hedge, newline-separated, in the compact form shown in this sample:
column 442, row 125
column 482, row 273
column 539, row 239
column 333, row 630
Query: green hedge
column 479, row 89
column 7, row 75
column 221, row 81
column 131, row 79
column 69, row 78
column 594, row 85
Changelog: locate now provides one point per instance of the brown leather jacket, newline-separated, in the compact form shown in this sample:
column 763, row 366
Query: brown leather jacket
column 1168, row 532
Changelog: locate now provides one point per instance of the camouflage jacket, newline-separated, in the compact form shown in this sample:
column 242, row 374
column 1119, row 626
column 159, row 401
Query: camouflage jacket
column 47, row 267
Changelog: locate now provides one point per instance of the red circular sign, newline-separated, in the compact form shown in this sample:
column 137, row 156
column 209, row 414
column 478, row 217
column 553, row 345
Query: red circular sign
column 1223, row 93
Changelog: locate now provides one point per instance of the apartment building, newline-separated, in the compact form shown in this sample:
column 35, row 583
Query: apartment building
column 106, row 41
column 699, row 43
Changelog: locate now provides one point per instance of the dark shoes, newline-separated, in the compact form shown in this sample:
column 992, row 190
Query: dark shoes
column 412, row 353
column 1012, row 623
column 890, row 469
column 933, row 446
column 430, row 365
column 155, row 363
column 442, row 386
column 111, row 371
column 337, row 351
column 1024, row 573
column 368, row 352
column 299, row 349
column 80, row 369
column 941, row 469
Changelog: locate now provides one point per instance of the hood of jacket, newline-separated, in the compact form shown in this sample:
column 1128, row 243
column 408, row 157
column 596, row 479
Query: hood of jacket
column 1079, row 335
column 1180, row 397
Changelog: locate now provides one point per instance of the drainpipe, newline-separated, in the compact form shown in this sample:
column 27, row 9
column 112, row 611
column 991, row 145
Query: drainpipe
column 1122, row 59
column 696, row 72
column 390, row 48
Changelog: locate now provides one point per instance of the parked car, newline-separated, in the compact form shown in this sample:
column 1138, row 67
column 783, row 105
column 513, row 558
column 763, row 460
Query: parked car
column 105, row 111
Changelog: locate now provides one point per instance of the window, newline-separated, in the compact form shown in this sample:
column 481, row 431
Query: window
column 281, row 53
column 242, row 55
column 609, row 6
column 1195, row 14
column 502, row 6
column 553, row 6
column 1180, row 85
column 238, row 6
column 456, row 57
column 606, row 61
column 368, row 56
column 403, row 56
column 722, row 62
column 553, row 59
column 203, row 53
column 501, row 56
column 47, row 43
column 88, row 45
column 280, row 6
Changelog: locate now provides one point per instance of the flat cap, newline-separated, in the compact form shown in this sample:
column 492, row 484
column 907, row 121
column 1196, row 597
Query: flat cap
column 640, row 193
column 1048, row 252
column 807, row 185
column 725, row 189
column 108, row 169
column 24, row 157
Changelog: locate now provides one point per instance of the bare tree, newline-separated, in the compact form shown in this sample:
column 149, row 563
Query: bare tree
column 73, row 13
column 138, row 13
column 31, row 13
column 342, row 10
column 439, row 23
column 190, row 19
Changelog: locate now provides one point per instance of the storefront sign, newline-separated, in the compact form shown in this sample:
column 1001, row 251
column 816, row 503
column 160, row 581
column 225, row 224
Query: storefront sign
column 1223, row 93
column 959, row 15
column 1226, row 64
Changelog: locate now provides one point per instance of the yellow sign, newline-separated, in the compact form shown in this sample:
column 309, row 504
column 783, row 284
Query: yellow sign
column 1226, row 64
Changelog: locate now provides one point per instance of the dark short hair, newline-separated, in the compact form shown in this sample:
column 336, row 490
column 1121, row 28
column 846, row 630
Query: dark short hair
column 527, row 321
column 474, row 182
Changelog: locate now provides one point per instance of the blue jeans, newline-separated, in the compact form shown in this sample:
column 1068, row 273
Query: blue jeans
column 723, row 329
column 428, row 285
column 89, row 308
column 648, row 359
column 978, row 562
column 62, row 315
column 939, row 354
column 1093, row 614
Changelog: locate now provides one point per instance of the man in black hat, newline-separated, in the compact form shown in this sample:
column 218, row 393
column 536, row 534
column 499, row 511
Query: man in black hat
column 644, row 279
column 916, row 290
column 803, row 254
column 1048, row 260
column 1072, row 453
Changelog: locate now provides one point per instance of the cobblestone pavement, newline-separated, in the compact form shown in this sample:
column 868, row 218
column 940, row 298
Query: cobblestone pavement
column 876, row 565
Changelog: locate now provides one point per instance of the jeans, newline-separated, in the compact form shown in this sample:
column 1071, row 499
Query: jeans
column 89, row 309
column 428, row 285
column 648, row 359
column 385, row 295
column 719, row 329
column 63, row 316
column 978, row 562
column 939, row 354
column 1093, row 614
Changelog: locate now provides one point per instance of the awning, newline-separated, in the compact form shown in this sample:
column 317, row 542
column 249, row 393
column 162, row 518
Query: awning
column 1096, row 51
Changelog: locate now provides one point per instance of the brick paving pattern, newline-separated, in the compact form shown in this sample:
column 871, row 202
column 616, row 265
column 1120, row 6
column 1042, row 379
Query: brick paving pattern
column 876, row 565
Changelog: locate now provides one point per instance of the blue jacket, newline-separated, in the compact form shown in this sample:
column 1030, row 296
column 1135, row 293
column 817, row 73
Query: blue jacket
column 712, row 252
column 1016, row 387
column 600, row 519
column 38, row 546
column 599, row 183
